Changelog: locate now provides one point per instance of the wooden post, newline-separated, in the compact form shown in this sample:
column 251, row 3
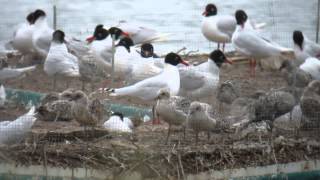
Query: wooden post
column 318, row 23
column 112, row 61
column 54, row 17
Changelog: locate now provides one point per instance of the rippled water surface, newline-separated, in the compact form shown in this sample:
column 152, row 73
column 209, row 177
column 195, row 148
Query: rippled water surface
column 181, row 18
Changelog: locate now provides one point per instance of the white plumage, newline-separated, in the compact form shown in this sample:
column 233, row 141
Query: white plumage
column 8, row 72
column 148, row 89
column 116, row 124
column 42, row 36
column 15, row 131
column 141, row 34
column 60, row 62
column 312, row 66
column 22, row 40
column 2, row 96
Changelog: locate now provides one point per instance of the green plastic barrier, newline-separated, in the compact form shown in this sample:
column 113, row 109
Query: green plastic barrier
column 33, row 98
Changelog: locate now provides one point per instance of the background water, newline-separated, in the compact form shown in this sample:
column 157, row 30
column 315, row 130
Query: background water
column 181, row 18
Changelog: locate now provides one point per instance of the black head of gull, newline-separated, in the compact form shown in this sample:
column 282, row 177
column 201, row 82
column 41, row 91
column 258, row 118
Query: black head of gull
column 146, row 50
column 58, row 36
column 30, row 18
column 241, row 17
column 174, row 59
column 298, row 38
column 219, row 58
column 119, row 114
column 117, row 33
column 99, row 34
column 126, row 42
column 38, row 14
column 211, row 10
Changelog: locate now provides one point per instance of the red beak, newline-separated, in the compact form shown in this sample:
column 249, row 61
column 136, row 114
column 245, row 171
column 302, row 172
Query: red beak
column 184, row 62
column 204, row 13
column 228, row 61
column 125, row 34
column 90, row 39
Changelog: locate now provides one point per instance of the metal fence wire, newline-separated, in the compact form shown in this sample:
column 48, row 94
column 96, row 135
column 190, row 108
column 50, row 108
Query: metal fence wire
column 255, row 124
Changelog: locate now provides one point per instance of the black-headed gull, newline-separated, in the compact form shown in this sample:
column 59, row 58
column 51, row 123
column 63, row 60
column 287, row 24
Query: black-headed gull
column 16, row 131
column 59, row 61
column 140, row 34
column 42, row 34
column 147, row 89
column 22, row 39
column 118, row 123
column 219, row 28
column 248, row 42
column 303, row 47
column 201, row 117
column 312, row 66
column 201, row 81
column 310, row 101
column 131, row 64
column 148, row 51
column 172, row 109
column 101, row 43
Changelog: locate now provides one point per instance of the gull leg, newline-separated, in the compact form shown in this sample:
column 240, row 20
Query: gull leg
column 54, row 82
column 169, row 131
column 223, row 46
column 218, row 45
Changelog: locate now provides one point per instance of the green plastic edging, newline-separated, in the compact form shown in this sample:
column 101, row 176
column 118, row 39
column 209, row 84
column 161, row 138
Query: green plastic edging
column 33, row 98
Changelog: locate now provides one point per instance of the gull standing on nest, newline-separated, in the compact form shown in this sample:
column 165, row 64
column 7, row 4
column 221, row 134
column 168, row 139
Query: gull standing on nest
column 172, row 109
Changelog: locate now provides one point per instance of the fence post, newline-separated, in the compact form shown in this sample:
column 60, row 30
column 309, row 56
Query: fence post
column 54, row 16
column 318, row 23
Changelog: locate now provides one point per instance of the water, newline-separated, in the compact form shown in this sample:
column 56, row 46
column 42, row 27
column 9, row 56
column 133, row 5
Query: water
column 180, row 18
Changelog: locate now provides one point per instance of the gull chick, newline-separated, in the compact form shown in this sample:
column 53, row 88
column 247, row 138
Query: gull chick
column 172, row 109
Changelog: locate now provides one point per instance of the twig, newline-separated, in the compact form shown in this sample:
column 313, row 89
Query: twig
column 180, row 50
column 181, row 166
column 45, row 162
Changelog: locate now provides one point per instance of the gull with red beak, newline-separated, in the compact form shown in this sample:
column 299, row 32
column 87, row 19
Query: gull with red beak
column 304, row 48
column 219, row 28
column 201, row 81
column 148, row 89
column 248, row 42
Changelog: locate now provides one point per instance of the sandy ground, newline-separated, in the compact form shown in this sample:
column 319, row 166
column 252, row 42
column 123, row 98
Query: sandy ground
column 66, row 144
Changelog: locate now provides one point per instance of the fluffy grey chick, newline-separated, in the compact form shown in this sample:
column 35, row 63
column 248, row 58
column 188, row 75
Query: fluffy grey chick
column 270, row 106
column 173, row 110
column 295, row 76
column 227, row 92
column 310, row 101
column 56, row 107
column 201, row 117
column 81, row 110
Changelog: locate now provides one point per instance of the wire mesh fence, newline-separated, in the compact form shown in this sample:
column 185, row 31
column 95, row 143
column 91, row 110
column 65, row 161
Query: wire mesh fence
column 129, row 142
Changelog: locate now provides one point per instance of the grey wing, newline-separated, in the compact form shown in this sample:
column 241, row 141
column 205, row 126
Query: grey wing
column 7, row 73
column 227, row 25
column 191, row 79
